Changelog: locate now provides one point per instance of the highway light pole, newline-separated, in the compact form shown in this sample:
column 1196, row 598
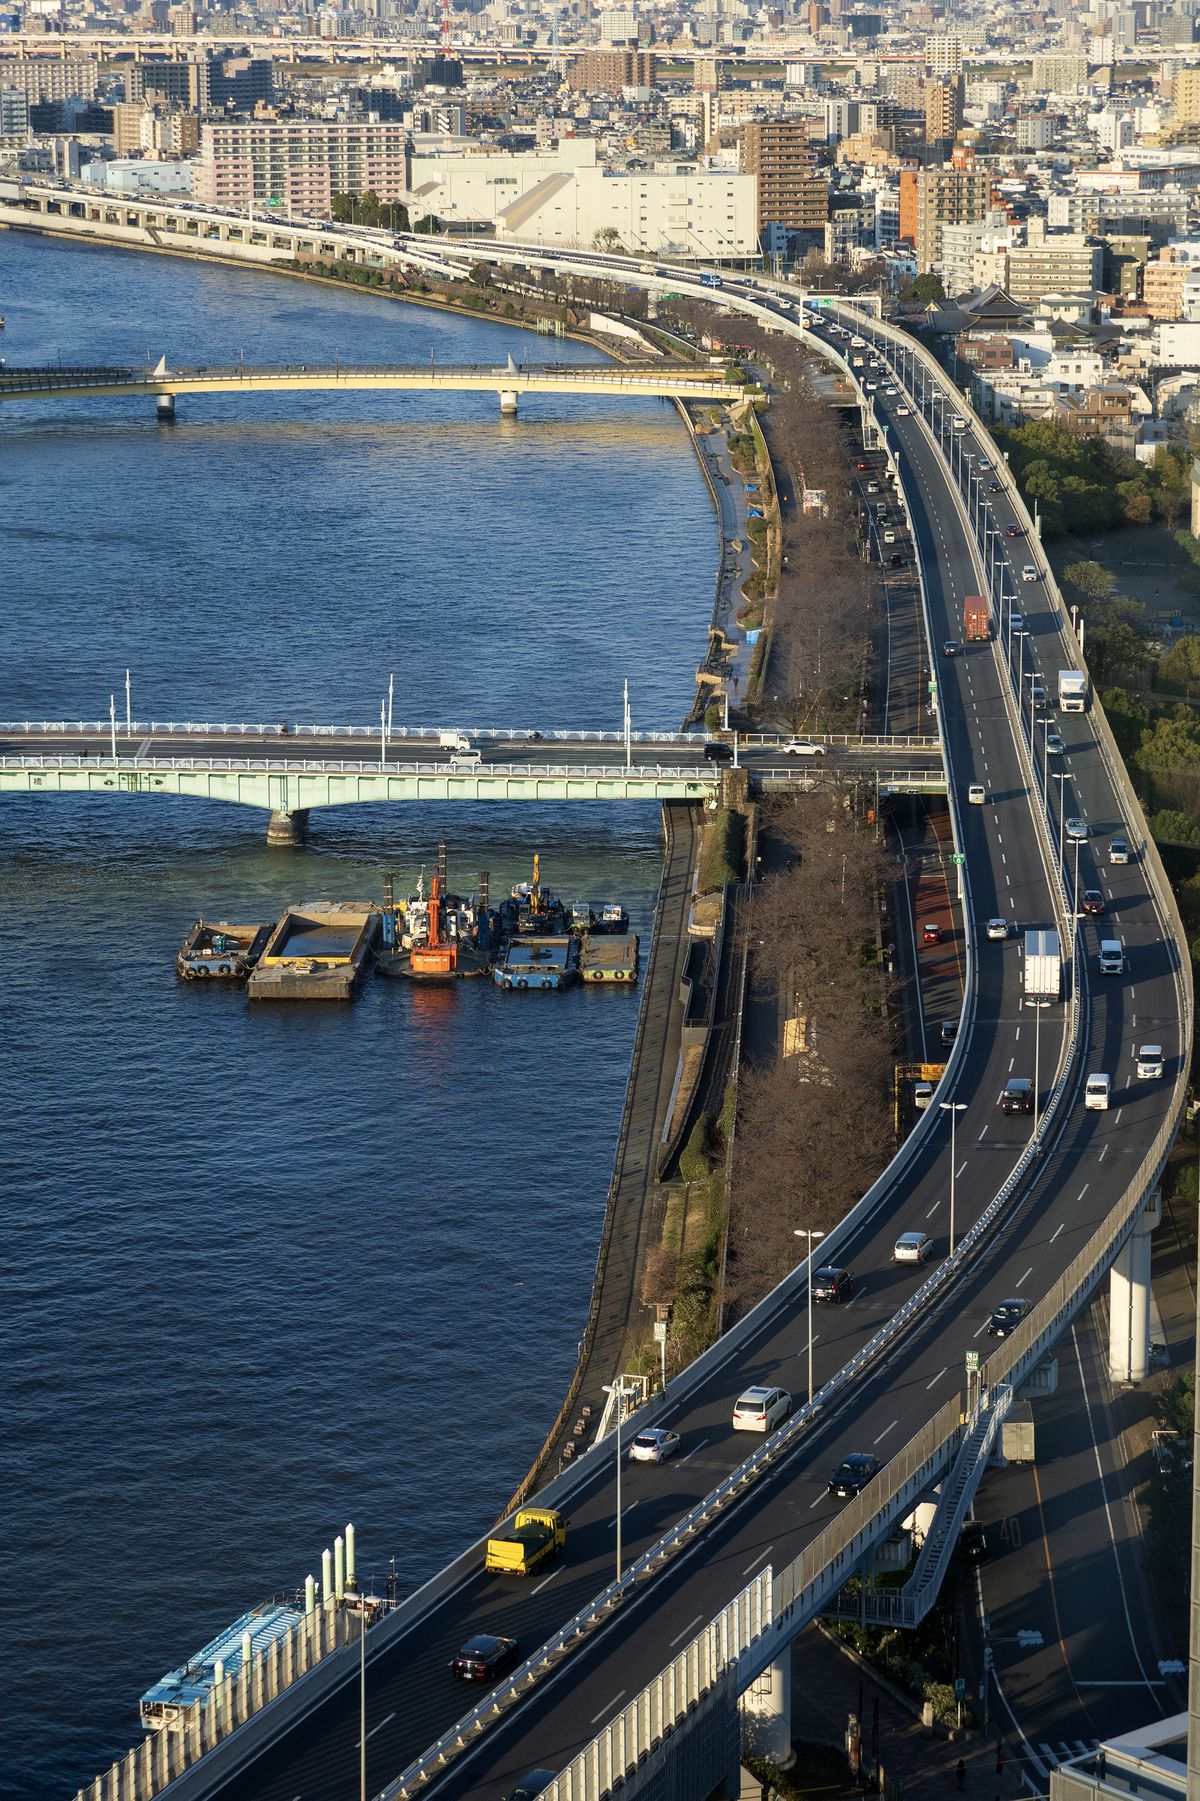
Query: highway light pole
column 953, row 1108
column 804, row 1232
column 617, row 1391
column 1061, row 778
column 1037, row 1067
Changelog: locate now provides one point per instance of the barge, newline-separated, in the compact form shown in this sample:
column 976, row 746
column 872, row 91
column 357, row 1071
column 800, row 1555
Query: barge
column 538, row 962
column 221, row 952
column 605, row 958
column 318, row 952
column 444, row 938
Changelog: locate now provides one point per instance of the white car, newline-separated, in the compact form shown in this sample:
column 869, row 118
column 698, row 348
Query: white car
column 1029, row 573
column 922, row 1095
column 1077, row 831
column 903, row 412
column 1150, row 1062
column 997, row 928
column 1096, row 1092
column 976, row 794
column 1054, row 744
column 802, row 747
column 761, row 1409
column 984, row 463
column 912, row 1247
column 654, row 1445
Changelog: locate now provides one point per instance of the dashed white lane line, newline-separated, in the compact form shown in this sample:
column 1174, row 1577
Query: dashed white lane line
column 749, row 1567
column 885, row 1432
column 689, row 1628
column 817, row 1502
column 1025, row 1277
column 1103, row 1154
column 933, row 1210
column 381, row 1725
column 1083, row 1191
column 958, row 1172
column 979, row 1329
column 937, row 1378
column 542, row 1584
column 693, row 1451
column 597, row 1717
column 1058, row 1228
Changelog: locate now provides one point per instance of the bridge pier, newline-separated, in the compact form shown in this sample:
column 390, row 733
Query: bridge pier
column 1129, row 1300
column 287, row 827
column 164, row 408
column 508, row 403
column 767, row 1713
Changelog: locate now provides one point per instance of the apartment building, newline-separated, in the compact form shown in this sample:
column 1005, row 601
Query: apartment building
column 943, row 102
column 1187, row 96
column 608, row 71
column 1058, row 72
column 792, row 192
column 944, row 53
column 203, row 83
column 1059, row 263
column 301, row 165
column 932, row 198
column 42, row 78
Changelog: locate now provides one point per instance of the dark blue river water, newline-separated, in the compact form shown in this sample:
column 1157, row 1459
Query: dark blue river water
column 267, row 1271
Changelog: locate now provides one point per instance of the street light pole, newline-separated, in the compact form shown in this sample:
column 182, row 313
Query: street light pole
column 953, row 1108
column 804, row 1232
column 617, row 1391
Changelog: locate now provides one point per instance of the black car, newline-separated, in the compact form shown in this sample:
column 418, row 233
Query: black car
column 993, row 487
column 531, row 1785
column 896, row 560
column 948, row 1031
column 1007, row 1317
column 483, row 1658
column 972, row 1542
column 853, row 1473
column 951, row 648
column 1017, row 1096
column 716, row 751
column 1093, row 902
column 830, row 1284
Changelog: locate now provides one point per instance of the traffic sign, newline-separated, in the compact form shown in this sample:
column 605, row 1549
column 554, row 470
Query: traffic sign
column 972, row 1363
column 957, row 857
column 960, row 1688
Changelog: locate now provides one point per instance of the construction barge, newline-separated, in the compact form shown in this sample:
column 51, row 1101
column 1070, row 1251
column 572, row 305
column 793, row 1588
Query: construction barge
column 318, row 952
column 221, row 952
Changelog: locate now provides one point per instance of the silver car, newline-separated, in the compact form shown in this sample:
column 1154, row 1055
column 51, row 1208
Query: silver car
column 1077, row 831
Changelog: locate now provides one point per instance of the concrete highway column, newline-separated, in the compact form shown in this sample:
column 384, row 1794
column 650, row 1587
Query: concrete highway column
column 1129, row 1301
column 767, row 1714
column 287, row 827
column 508, row 403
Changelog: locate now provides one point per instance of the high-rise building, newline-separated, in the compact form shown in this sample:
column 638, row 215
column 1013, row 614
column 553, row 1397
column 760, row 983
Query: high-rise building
column 1058, row 72
column 931, row 198
column 50, row 77
column 943, row 110
column 1187, row 96
column 203, row 83
column 608, row 71
column 944, row 53
column 792, row 191
column 301, row 165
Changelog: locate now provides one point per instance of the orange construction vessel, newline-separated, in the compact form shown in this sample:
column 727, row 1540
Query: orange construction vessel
column 438, row 956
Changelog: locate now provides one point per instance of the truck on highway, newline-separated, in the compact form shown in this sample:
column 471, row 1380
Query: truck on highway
column 1072, row 691
column 1017, row 1437
column 977, row 621
column 535, row 1534
column 1043, row 968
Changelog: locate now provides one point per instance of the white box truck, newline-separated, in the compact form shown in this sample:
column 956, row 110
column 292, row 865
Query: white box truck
column 1043, row 968
column 1072, row 691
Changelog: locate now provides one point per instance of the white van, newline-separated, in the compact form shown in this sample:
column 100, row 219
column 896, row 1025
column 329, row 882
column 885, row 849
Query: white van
column 1112, row 957
column 1150, row 1062
column 466, row 759
column 958, row 423
column 1096, row 1092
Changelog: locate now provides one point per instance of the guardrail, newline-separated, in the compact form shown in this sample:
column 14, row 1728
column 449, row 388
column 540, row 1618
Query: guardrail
column 157, row 728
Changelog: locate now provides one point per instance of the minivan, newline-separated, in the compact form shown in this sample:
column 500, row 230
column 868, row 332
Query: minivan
column 1112, row 957
column 958, row 422
column 466, row 759
column 1096, row 1092
column 1017, row 1096
column 1029, row 573
column 1150, row 1062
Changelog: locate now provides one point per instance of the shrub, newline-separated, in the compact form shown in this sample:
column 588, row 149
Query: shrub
column 721, row 857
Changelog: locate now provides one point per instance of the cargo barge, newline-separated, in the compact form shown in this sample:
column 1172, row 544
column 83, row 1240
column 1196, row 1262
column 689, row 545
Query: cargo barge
column 538, row 962
column 318, row 952
column 221, row 952
column 605, row 958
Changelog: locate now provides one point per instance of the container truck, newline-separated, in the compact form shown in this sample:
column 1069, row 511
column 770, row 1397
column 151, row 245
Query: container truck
column 977, row 622
column 1017, row 1436
column 1072, row 691
column 535, row 1534
column 1043, row 968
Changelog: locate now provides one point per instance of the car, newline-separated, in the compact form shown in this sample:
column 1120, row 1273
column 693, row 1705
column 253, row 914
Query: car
column 872, row 487
column 853, row 1473
column 1093, row 903
column 912, row 1247
column 1118, row 850
column 1017, row 1095
column 1096, row 1092
column 761, row 1409
column 534, row 1783
column 896, row 560
column 993, row 487
column 889, row 536
column 1007, row 1317
column 985, row 464
column 1029, row 572
column 484, row 1657
column 861, row 463
column 654, row 1445
column 716, row 751
column 972, row 1542
column 889, row 389
column 802, row 747
column 1149, row 1062
column 922, row 1095
column 1014, row 531
column 903, row 412
column 1077, row 831
column 976, row 794
column 831, row 1284
column 872, row 387
column 997, row 928
column 1016, row 622
column 948, row 1031
column 951, row 648
column 931, row 932
column 1054, row 744
column 1037, row 696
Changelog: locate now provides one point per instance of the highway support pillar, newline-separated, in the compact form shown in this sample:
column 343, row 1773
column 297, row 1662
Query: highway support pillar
column 767, row 1714
column 164, row 407
column 508, row 403
column 287, row 827
column 1129, row 1300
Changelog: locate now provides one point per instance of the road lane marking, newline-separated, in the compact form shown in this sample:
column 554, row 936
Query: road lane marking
column 541, row 1585
column 1011, row 1061
column 749, row 1567
column 937, row 1378
column 1083, row 1191
column 597, row 1717
column 933, row 1210
column 690, row 1628
column 693, row 1451
column 381, row 1725
column 983, row 1135
column 817, row 1502
column 885, row 1432
column 1058, row 1228
column 960, row 1169
column 1120, row 1110
column 1025, row 1277
column 980, row 1328
column 1103, row 1154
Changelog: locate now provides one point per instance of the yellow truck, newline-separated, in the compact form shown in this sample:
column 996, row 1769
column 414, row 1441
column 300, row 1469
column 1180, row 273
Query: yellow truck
column 535, row 1534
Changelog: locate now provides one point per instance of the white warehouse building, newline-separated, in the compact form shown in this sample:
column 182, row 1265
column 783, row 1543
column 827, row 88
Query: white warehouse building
column 562, row 196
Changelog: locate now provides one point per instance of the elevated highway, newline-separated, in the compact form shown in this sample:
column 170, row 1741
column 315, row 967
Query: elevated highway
column 624, row 1679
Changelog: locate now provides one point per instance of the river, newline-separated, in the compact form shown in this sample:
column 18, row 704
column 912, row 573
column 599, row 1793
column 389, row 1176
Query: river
column 271, row 1270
